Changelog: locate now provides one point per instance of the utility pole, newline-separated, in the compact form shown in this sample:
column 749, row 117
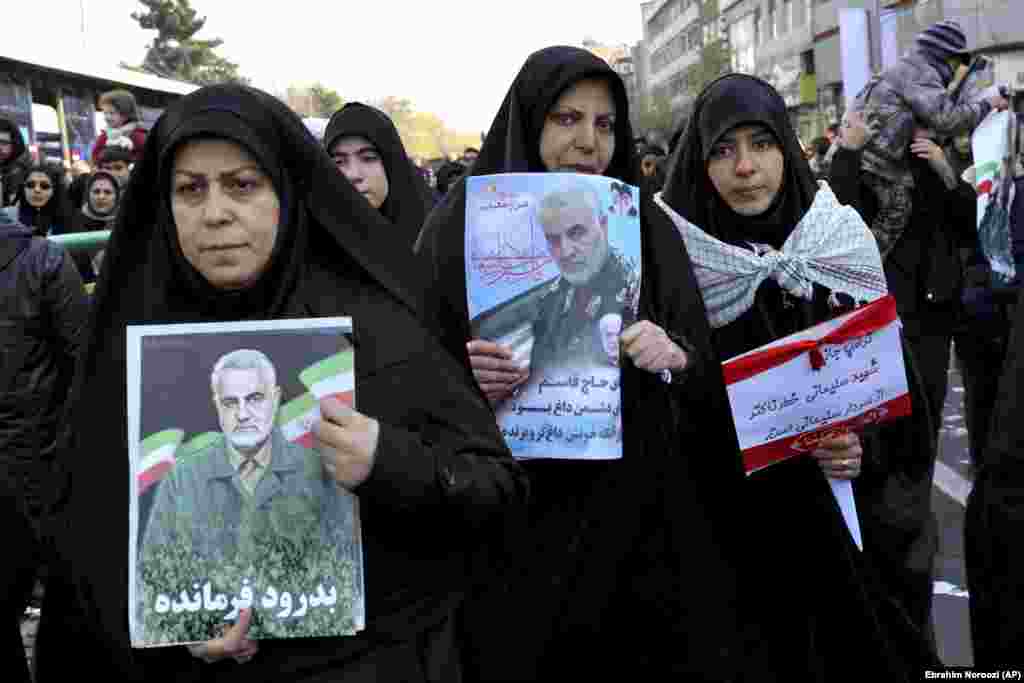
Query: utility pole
column 875, row 34
column 81, row 7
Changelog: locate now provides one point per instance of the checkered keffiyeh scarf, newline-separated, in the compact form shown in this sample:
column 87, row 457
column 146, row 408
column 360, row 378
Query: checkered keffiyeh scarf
column 830, row 246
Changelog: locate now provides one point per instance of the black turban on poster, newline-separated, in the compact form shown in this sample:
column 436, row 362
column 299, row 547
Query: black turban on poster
column 331, row 258
column 409, row 198
column 730, row 101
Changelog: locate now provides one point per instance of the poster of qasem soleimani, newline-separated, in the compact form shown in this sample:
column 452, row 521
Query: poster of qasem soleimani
column 231, row 507
column 553, row 273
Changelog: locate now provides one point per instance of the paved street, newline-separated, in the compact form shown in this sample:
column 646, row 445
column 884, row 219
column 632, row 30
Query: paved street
column 952, row 484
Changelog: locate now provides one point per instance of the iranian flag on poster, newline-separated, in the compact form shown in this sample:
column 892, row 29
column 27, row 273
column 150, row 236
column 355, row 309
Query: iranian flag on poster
column 157, row 456
column 334, row 376
column 197, row 444
column 297, row 417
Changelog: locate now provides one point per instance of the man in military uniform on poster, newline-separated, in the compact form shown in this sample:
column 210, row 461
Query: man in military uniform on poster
column 594, row 281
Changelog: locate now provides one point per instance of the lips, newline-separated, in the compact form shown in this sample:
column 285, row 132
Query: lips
column 222, row 247
column 750, row 192
column 582, row 168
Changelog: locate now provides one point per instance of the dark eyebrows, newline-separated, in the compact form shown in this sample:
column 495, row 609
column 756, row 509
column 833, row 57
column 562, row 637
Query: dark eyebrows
column 362, row 150
column 235, row 171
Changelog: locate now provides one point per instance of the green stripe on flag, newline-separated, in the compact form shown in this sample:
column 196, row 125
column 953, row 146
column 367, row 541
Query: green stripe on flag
column 197, row 443
column 297, row 407
column 338, row 364
column 161, row 439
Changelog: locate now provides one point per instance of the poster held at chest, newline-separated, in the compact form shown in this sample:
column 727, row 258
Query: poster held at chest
column 231, row 506
column 839, row 375
column 836, row 377
column 553, row 272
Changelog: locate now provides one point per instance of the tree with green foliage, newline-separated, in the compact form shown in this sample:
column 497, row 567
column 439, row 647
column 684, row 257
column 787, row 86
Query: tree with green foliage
column 655, row 113
column 175, row 52
column 715, row 53
column 326, row 100
column 313, row 100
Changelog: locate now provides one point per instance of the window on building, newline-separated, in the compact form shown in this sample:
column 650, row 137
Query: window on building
column 801, row 8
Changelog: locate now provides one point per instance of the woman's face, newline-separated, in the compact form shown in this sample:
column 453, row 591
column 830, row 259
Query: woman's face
column 746, row 167
column 102, row 195
column 225, row 210
column 360, row 162
column 38, row 189
column 579, row 131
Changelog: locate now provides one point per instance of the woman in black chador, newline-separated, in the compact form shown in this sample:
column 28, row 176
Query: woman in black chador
column 816, row 608
column 620, row 568
column 367, row 149
column 236, row 213
column 994, row 526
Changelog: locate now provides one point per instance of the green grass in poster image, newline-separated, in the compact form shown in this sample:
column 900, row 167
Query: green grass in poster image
column 297, row 566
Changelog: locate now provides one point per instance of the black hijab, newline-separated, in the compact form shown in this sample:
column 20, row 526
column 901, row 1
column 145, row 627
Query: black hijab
column 325, row 225
column 94, row 218
column 730, row 101
column 409, row 198
column 513, row 142
column 55, row 214
column 512, row 146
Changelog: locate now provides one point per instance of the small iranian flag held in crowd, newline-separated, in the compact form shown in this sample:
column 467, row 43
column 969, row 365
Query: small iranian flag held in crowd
column 158, row 456
column 297, row 417
column 334, row 376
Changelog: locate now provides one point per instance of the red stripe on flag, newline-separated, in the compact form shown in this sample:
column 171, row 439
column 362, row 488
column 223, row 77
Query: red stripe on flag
column 153, row 475
column 874, row 316
column 307, row 440
column 346, row 397
column 759, row 457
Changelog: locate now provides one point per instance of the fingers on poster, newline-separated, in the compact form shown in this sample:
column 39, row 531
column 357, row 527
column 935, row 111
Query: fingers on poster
column 232, row 507
column 553, row 273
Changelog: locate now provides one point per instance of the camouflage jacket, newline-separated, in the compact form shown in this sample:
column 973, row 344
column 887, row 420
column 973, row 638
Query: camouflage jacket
column 913, row 88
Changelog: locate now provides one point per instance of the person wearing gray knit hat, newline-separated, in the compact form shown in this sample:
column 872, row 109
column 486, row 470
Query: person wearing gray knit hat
column 946, row 38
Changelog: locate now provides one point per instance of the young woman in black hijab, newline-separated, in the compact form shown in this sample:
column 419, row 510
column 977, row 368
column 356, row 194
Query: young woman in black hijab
column 367, row 149
column 43, row 205
column 229, row 164
column 739, row 188
column 994, row 525
column 620, row 568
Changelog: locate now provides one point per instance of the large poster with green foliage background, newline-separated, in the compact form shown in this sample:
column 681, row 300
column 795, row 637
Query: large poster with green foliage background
column 232, row 506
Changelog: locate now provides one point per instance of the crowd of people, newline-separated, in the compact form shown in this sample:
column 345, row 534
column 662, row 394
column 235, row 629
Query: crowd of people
column 668, row 562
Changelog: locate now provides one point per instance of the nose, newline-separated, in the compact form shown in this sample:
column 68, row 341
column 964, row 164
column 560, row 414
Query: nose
column 354, row 173
column 744, row 162
column 215, row 208
column 585, row 137
column 244, row 412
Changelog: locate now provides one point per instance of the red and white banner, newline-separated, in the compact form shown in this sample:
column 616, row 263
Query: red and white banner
column 832, row 378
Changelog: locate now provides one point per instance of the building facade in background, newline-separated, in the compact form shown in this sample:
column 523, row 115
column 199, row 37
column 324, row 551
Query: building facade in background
column 796, row 45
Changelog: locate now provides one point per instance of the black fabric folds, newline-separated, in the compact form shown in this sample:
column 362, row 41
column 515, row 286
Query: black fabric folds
column 409, row 198
column 728, row 102
column 596, row 581
column 994, row 524
column 330, row 260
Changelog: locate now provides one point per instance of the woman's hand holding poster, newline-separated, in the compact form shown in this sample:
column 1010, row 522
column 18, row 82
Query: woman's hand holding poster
column 553, row 275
